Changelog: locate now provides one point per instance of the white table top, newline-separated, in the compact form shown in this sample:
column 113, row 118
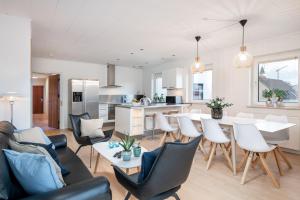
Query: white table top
column 261, row 124
column 108, row 153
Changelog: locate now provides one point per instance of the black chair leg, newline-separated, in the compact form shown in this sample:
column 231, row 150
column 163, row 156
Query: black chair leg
column 176, row 196
column 78, row 149
column 127, row 196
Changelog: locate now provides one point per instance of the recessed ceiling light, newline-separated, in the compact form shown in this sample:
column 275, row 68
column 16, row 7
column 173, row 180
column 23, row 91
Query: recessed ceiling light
column 173, row 55
column 131, row 53
column 118, row 59
column 141, row 49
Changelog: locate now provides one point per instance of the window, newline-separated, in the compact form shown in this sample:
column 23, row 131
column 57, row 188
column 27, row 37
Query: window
column 202, row 86
column 280, row 74
column 157, row 85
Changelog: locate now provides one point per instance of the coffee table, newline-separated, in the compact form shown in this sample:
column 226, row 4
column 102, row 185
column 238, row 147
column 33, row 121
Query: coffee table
column 103, row 149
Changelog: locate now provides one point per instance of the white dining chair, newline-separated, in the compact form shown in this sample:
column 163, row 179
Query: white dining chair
column 245, row 115
column 278, row 137
column 161, row 122
column 188, row 131
column 250, row 139
column 213, row 133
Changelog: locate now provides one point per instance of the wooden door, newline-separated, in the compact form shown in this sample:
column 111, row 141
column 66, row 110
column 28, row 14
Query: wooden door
column 54, row 102
column 38, row 99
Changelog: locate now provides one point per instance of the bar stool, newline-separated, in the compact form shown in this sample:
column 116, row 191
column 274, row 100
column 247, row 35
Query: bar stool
column 151, row 116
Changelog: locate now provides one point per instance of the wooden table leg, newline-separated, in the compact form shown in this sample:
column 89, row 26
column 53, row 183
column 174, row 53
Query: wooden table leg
column 233, row 152
column 97, row 161
column 127, row 171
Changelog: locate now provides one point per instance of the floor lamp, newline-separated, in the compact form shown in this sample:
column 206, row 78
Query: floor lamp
column 11, row 97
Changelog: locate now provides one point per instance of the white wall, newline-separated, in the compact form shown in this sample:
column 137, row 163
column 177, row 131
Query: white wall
column 129, row 78
column 15, row 75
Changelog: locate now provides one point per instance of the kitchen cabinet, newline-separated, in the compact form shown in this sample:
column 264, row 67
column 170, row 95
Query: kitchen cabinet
column 172, row 78
column 103, row 112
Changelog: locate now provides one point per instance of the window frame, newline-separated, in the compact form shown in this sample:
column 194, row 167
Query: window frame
column 208, row 68
column 154, row 77
column 272, row 58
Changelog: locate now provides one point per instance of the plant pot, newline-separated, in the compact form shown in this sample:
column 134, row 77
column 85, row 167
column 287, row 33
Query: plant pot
column 126, row 155
column 137, row 151
column 279, row 102
column 269, row 103
column 216, row 113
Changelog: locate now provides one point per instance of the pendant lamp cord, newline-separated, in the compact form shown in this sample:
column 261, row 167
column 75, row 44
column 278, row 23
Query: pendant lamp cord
column 243, row 42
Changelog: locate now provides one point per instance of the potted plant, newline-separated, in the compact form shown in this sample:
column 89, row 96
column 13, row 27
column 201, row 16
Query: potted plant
column 217, row 105
column 127, row 143
column 267, row 94
column 280, row 95
column 137, row 150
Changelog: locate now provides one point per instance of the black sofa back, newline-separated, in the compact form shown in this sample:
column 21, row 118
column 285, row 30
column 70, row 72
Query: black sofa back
column 9, row 186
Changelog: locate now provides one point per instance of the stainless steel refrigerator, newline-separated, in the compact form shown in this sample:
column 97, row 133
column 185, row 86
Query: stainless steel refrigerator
column 84, row 97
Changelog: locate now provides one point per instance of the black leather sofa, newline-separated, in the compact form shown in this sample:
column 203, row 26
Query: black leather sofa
column 80, row 183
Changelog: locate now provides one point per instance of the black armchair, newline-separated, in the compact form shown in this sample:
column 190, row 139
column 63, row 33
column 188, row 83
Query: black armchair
column 86, row 141
column 169, row 171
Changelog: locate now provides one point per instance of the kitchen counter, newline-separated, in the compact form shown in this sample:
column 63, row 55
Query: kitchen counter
column 131, row 120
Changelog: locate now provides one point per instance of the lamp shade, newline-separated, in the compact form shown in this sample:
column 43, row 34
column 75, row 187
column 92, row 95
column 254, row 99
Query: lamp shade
column 243, row 59
column 197, row 67
column 10, row 96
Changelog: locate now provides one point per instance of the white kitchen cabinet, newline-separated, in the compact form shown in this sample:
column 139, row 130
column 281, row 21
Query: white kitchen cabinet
column 172, row 78
column 103, row 112
column 129, row 121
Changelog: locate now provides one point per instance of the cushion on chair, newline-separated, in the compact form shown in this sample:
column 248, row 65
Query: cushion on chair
column 148, row 160
column 91, row 127
column 35, row 172
column 27, row 148
column 52, row 153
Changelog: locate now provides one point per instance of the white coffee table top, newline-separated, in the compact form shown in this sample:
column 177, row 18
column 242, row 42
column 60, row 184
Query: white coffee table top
column 108, row 153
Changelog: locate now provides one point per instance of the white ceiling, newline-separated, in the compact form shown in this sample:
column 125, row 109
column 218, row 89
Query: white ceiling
column 103, row 31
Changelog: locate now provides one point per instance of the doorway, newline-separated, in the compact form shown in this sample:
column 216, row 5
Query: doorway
column 45, row 101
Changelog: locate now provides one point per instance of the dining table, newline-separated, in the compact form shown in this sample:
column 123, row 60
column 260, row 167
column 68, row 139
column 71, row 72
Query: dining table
column 228, row 121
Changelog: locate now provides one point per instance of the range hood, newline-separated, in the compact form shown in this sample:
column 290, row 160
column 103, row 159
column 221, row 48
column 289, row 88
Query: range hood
column 111, row 75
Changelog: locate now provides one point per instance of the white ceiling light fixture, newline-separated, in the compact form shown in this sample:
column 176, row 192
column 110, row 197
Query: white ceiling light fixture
column 243, row 59
column 198, row 67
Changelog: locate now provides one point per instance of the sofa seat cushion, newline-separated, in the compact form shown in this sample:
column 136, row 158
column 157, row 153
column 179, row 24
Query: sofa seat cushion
column 78, row 171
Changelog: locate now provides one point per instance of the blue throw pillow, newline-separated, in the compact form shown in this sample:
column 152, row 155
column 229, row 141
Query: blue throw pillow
column 53, row 154
column 148, row 160
column 35, row 172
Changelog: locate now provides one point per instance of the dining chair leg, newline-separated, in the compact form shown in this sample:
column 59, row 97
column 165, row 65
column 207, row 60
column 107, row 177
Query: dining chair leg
column 278, row 162
column 173, row 136
column 255, row 161
column 78, row 149
column 91, row 156
column 211, row 156
column 97, row 162
column 223, row 147
column 270, row 174
column 249, row 160
column 202, row 149
column 163, row 139
column 242, row 162
column 284, row 157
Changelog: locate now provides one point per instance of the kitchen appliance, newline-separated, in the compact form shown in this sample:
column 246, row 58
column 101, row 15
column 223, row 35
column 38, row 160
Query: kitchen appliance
column 108, row 105
column 138, row 96
column 174, row 99
column 111, row 76
column 145, row 101
column 84, row 97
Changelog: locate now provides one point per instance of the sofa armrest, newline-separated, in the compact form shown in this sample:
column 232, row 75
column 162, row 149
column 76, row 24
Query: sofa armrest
column 92, row 189
column 59, row 141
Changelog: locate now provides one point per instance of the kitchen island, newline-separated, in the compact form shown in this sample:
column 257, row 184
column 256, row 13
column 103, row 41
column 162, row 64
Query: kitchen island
column 130, row 120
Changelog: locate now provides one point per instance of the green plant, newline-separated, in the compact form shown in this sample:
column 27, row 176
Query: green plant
column 127, row 143
column 267, row 94
column 280, row 94
column 218, row 103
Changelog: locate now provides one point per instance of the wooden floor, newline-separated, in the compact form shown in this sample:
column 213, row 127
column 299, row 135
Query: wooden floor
column 41, row 120
column 216, row 183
